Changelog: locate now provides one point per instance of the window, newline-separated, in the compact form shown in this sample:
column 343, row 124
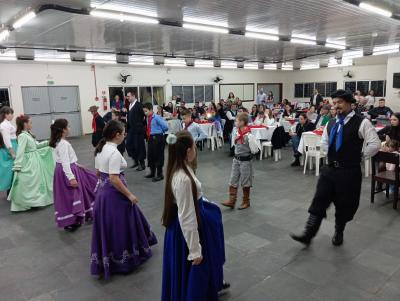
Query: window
column 4, row 97
column 145, row 95
column 148, row 94
column 192, row 93
column 306, row 90
column 158, row 96
column 245, row 92
column 379, row 87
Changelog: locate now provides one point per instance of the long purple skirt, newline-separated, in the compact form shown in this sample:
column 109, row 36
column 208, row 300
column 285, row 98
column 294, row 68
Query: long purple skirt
column 121, row 236
column 73, row 205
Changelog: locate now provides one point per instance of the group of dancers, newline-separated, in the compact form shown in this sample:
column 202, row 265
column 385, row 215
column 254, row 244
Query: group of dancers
column 194, row 252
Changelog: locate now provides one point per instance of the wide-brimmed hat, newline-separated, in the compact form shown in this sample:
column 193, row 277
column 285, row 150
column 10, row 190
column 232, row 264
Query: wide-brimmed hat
column 346, row 95
column 93, row 109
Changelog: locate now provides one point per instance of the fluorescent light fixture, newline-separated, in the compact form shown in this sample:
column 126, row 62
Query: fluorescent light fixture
column 272, row 31
column 287, row 67
column 303, row 36
column 205, row 28
column 250, row 65
column 174, row 62
column 52, row 56
column 309, row 66
column 8, row 55
column 335, row 46
column 228, row 64
column 101, row 58
column 4, row 34
column 345, row 62
column 353, row 54
column 24, row 19
column 123, row 8
column 262, row 36
column 304, row 42
column 375, row 10
column 205, row 22
column 123, row 17
column 204, row 63
column 270, row 66
column 378, row 50
column 141, row 60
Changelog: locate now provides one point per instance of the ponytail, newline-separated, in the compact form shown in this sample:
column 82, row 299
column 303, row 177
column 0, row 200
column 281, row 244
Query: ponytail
column 100, row 146
column 112, row 128
column 21, row 120
column 57, row 130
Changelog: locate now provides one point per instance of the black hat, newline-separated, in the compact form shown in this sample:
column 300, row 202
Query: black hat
column 346, row 95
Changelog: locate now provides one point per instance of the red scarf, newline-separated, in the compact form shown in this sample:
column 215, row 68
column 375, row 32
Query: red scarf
column 148, row 130
column 94, row 127
column 240, row 135
column 187, row 125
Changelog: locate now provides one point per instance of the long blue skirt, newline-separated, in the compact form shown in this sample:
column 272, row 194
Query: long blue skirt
column 181, row 280
column 6, row 165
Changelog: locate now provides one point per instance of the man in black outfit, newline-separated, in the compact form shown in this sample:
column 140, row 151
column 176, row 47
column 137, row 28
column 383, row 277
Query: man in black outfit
column 135, row 144
column 340, row 181
column 316, row 99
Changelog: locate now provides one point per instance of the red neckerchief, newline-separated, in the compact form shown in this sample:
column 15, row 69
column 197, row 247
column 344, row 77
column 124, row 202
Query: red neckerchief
column 189, row 124
column 148, row 130
column 94, row 127
column 241, row 135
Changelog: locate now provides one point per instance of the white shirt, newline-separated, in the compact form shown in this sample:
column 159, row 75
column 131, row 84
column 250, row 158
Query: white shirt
column 8, row 132
column 230, row 116
column 110, row 160
column 372, row 144
column 182, row 190
column 264, row 121
column 132, row 104
column 65, row 155
column 370, row 100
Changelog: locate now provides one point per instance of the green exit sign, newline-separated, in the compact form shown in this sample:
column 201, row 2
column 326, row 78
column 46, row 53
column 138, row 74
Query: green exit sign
column 50, row 82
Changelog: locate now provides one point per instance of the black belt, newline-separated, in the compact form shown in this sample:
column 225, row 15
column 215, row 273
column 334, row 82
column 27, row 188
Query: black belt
column 245, row 158
column 337, row 164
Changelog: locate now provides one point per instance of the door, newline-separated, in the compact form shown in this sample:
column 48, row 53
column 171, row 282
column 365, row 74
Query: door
column 74, row 122
column 41, row 126
column 275, row 88
column 64, row 99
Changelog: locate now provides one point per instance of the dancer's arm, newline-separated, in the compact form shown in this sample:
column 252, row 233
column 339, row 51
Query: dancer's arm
column 5, row 132
column 117, row 183
column 22, row 141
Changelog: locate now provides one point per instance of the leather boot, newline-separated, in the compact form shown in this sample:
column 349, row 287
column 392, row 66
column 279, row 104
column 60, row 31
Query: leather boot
column 337, row 239
column 296, row 161
column 232, row 198
column 159, row 176
column 246, row 199
column 310, row 230
column 151, row 174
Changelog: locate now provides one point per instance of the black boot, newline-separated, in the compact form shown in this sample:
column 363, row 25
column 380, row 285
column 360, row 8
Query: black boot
column 141, row 167
column 135, row 164
column 337, row 239
column 310, row 230
column 151, row 174
column 160, row 176
column 296, row 161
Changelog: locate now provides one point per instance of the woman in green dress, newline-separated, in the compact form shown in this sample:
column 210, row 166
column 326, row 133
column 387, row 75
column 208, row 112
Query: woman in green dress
column 34, row 169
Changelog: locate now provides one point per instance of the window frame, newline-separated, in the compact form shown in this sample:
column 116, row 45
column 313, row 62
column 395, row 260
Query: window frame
column 194, row 92
column 9, row 94
column 313, row 86
column 369, row 85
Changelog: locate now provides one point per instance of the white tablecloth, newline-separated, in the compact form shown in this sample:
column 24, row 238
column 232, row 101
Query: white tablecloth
column 174, row 126
column 263, row 133
column 287, row 125
column 206, row 128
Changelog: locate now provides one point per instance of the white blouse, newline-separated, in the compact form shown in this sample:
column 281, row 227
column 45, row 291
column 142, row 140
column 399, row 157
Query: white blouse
column 8, row 132
column 110, row 160
column 182, row 190
column 264, row 121
column 65, row 155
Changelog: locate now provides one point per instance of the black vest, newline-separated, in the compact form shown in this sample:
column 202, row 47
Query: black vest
column 350, row 153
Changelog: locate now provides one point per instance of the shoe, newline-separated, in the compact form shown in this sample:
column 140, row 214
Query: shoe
column 246, row 199
column 72, row 228
column 232, row 198
column 224, row 289
column 337, row 239
column 150, row 175
column 310, row 230
column 140, row 168
column 135, row 164
column 296, row 162
column 158, row 178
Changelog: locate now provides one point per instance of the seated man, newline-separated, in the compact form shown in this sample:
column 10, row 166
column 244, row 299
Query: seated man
column 381, row 110
column 193, row 128
column 323, row 117
column 304, row 125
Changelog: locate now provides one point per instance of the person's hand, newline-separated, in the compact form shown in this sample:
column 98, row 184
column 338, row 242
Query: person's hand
column 134, row 200
column 197, row 260
column 73, row 183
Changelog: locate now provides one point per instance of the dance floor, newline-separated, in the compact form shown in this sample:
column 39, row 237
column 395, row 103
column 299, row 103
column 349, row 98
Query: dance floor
column 40, row 262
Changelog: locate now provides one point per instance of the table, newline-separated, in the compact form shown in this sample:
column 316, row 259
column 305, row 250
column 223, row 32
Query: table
column 263, row 133
column 287, row 125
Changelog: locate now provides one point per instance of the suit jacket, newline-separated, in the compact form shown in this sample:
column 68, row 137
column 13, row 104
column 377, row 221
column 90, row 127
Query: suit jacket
column 137, row 119
column 318, row 100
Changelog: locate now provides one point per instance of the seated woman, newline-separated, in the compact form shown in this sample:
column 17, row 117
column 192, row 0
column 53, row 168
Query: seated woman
column 253, row 113
column 265, row 118
column 304, row 125
column 392, row 131
column 312, row 114
column 288, row 111
column 194, row 252
column 169, row 108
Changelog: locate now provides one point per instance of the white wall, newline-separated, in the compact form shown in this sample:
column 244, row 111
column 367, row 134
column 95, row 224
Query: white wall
column 17, row 75
column 370, row 72
column 392, row 94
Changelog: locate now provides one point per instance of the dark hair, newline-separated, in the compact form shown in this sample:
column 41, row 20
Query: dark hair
column 304, row 115
column 214, row 106
column 20, row 121
column 186, row 112
column 382, row 99
column 5, row 111
column 393, row 144
column 57, row 130
column 1, row 141
column 116, row 113
column 112, row 128
column 148, row 106
column 177, row 153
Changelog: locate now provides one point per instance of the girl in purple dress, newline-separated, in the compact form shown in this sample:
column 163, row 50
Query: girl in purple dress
column 121, row 236
column 73, row 185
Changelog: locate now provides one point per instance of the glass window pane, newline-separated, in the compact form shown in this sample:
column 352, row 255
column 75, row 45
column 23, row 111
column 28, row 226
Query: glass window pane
column 158, row 96
column 298, row 90
column 199, row 93
column 145, row 95
column 330, row 88
column 321, row 88
column 351, row 86
column 188, row 94
column 209, row 93
column 4, row 97
column 363, row 86
column 378, row 87
column 308, row 89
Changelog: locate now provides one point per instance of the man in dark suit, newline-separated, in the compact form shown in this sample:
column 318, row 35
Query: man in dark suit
column 316, row 99
column 135, row 144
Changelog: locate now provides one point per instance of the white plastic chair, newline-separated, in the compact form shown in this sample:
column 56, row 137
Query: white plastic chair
column 212, row 138
column 312, row 150
column 266, row 150
column 367, row 167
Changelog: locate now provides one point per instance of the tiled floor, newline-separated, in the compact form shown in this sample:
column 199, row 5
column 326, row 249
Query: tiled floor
column 39, row 262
